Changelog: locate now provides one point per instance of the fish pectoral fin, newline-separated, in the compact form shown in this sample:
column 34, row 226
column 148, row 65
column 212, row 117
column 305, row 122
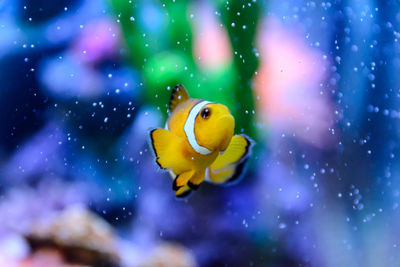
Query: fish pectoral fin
column 238, row 149
column 229, row 166
column 165, row 146
column 182, row 179
column 178, row 95
column 228, row 175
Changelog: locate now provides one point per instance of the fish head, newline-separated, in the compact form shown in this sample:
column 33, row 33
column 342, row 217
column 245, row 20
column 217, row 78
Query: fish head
column 214, row 126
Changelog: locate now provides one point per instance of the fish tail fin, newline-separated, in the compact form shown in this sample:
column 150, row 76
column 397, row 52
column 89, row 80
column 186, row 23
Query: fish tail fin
column 180, row 184
column 183, row 192
column 164, row 145
column 229, row 166
column 196, row 180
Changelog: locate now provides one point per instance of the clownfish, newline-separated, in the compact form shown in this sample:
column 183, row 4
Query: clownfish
column 198, row 144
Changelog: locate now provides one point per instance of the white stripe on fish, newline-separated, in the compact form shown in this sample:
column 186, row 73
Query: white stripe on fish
column 189, row 128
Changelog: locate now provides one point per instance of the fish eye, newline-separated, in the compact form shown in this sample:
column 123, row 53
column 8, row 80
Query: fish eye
column 205, row 113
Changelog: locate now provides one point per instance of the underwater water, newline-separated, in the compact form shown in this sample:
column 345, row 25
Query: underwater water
column 315, row 85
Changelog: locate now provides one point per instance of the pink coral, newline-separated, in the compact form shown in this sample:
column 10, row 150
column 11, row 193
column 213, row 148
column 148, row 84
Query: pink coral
column 211, row 42
column 288, row 85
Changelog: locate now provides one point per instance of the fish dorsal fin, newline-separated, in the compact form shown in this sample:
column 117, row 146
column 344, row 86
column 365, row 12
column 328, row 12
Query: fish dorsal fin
column 178, row 95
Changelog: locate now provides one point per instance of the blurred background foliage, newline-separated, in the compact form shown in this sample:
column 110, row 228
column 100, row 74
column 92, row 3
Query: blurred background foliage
column 163, row 48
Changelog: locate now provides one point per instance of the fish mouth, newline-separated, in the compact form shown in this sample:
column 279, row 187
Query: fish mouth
column 227, row 124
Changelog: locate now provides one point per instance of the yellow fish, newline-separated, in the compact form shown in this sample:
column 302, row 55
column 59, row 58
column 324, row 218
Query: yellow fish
column 198, row 144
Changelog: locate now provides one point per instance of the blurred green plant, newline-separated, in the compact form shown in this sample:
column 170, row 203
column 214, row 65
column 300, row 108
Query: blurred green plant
column 165, row 54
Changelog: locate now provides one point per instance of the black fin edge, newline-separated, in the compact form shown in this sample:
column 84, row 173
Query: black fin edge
column 193, row 186
column 238, row 174
column 249, row 144
column 154, row 149
column 241, row 164
column 184, row 195
column 175, row 187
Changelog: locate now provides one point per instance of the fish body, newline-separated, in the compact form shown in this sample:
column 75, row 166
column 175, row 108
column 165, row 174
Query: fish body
column 198, row 144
